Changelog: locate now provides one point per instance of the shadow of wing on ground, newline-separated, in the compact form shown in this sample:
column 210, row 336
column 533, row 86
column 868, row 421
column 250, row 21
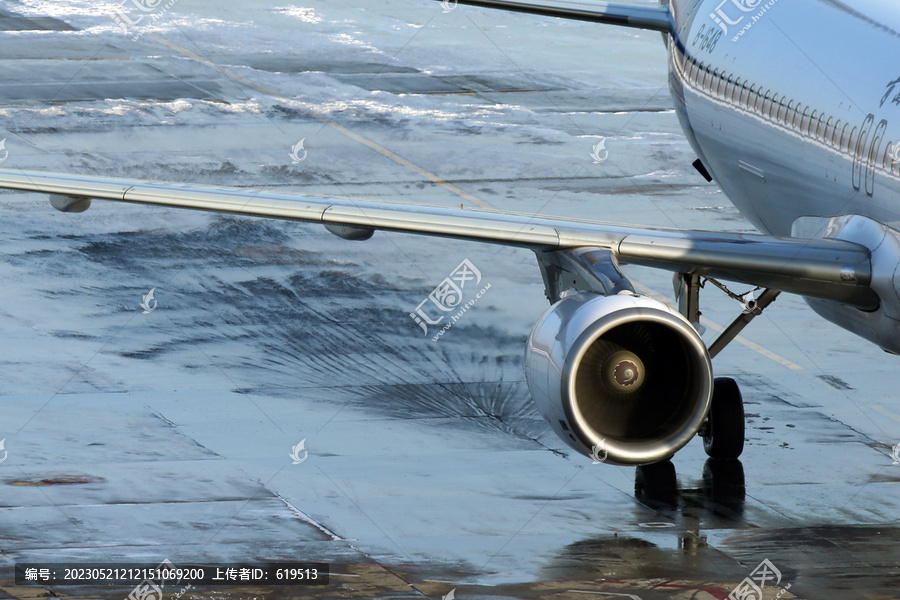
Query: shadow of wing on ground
column 282, row 321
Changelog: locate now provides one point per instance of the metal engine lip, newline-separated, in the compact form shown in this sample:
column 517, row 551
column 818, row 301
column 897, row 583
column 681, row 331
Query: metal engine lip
column 607, row 312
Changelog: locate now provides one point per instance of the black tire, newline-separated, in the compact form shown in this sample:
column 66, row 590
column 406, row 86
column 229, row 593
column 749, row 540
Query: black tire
column 724, row 433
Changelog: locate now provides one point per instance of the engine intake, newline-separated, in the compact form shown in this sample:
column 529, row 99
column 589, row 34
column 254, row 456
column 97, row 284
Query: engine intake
column 622, row 378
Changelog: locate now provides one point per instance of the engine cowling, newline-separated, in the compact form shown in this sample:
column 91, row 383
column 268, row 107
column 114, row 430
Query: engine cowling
column 622, row 378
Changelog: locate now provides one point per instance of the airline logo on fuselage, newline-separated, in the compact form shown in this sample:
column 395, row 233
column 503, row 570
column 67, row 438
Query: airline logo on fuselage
column 726, row 9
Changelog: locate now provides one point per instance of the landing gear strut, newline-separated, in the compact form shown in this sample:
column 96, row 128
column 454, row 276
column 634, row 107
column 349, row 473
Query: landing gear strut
column 723, row 433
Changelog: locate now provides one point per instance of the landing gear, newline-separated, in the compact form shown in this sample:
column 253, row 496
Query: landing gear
column 723, row 434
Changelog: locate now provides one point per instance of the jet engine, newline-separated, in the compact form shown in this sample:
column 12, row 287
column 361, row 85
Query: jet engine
column 621, row 378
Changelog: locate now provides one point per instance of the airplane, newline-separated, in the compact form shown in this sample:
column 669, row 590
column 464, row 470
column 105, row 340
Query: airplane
column 800, row 138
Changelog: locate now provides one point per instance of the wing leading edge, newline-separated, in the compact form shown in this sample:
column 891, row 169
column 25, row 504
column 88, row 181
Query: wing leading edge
column 828, row 269
column 656, row 18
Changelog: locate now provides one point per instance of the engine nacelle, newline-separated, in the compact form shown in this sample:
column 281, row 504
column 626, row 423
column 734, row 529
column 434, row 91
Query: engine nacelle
column 621, row 378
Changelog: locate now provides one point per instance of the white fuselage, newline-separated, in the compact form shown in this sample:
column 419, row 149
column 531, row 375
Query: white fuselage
column 794, row 108
column 793, row 105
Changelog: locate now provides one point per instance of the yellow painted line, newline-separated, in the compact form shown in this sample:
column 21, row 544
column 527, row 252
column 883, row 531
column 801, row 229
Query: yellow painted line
column 884, row 411
column 327, row 121
column 755, row 347
column 739, row 339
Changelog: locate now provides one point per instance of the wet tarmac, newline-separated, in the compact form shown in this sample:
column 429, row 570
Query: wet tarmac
column 135, row 435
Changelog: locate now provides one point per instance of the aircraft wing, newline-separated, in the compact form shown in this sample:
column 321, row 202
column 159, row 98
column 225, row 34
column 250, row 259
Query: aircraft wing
column 829, row 269
column 656, row 18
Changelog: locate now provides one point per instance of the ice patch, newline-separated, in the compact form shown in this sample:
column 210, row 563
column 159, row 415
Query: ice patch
column 53, row 111
column 307, row 15
column 202, row 23
column 178, row 105
column 305, row 517
column 122, row 108
column 90, row 18
column 66, row 8
column 349, row 40
column 95, row 18
column 660, row 174
column 238, row 107
column 361, row 107
column 125, row 112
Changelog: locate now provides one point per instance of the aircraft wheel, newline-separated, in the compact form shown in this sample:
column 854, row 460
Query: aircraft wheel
column 723, row 436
